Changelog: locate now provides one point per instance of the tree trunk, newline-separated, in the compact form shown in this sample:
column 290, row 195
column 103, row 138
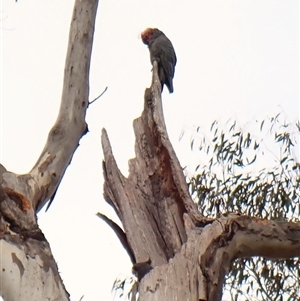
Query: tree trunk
column 28, row 269
column 177, row 254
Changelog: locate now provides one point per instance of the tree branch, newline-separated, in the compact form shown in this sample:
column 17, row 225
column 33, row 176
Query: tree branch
column 241, row 237
column 120, row 234
column 41, row 183
column 98, row 96
column 208, row 254
column 28, row 269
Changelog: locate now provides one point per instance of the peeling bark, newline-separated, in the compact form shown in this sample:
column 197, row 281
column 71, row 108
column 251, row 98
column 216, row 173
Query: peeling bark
column 189, row 255
column 28, row 269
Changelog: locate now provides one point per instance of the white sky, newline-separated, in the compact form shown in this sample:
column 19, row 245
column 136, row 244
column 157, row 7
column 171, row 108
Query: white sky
column 236, row 59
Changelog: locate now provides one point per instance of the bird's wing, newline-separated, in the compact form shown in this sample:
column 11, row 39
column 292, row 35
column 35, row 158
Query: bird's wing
column 167, row 55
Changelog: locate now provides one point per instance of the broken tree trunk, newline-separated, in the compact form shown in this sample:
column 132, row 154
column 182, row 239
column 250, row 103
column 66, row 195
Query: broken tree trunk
column 28, row 269
column 177, row 254
column 154, row 197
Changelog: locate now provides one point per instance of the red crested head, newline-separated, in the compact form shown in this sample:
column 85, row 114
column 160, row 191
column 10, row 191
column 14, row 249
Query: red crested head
column 150, row 34
column 147, row 35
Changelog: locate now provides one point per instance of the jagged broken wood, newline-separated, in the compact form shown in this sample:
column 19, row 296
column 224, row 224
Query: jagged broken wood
column 28, row 269
column 190, row 254
column 159, row 171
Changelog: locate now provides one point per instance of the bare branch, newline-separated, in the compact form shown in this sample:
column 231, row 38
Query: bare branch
column 41, row 183
column 120, row 234
column 28, row 269
column 98, row 96
column 236, row 236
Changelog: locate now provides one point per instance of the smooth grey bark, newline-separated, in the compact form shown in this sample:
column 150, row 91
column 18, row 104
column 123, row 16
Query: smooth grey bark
column 28, row 269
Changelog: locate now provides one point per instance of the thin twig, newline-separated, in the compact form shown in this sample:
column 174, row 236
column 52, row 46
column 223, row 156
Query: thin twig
column 98, row 96
column 120, row 234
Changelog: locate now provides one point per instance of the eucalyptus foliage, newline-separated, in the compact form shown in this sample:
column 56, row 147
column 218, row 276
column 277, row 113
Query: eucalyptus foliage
column 255, row 174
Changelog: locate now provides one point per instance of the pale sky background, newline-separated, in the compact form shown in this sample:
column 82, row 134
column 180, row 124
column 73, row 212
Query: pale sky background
column 236, row 59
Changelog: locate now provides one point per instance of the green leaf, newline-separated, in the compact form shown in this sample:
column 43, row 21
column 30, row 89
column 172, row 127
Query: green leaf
column 213, row 124
column 254, row 159
column 192, row 144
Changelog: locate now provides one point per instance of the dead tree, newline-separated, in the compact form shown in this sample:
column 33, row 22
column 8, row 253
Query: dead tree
column 177, row 254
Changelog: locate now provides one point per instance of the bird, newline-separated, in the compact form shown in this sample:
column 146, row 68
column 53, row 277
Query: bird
column 162, row 51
